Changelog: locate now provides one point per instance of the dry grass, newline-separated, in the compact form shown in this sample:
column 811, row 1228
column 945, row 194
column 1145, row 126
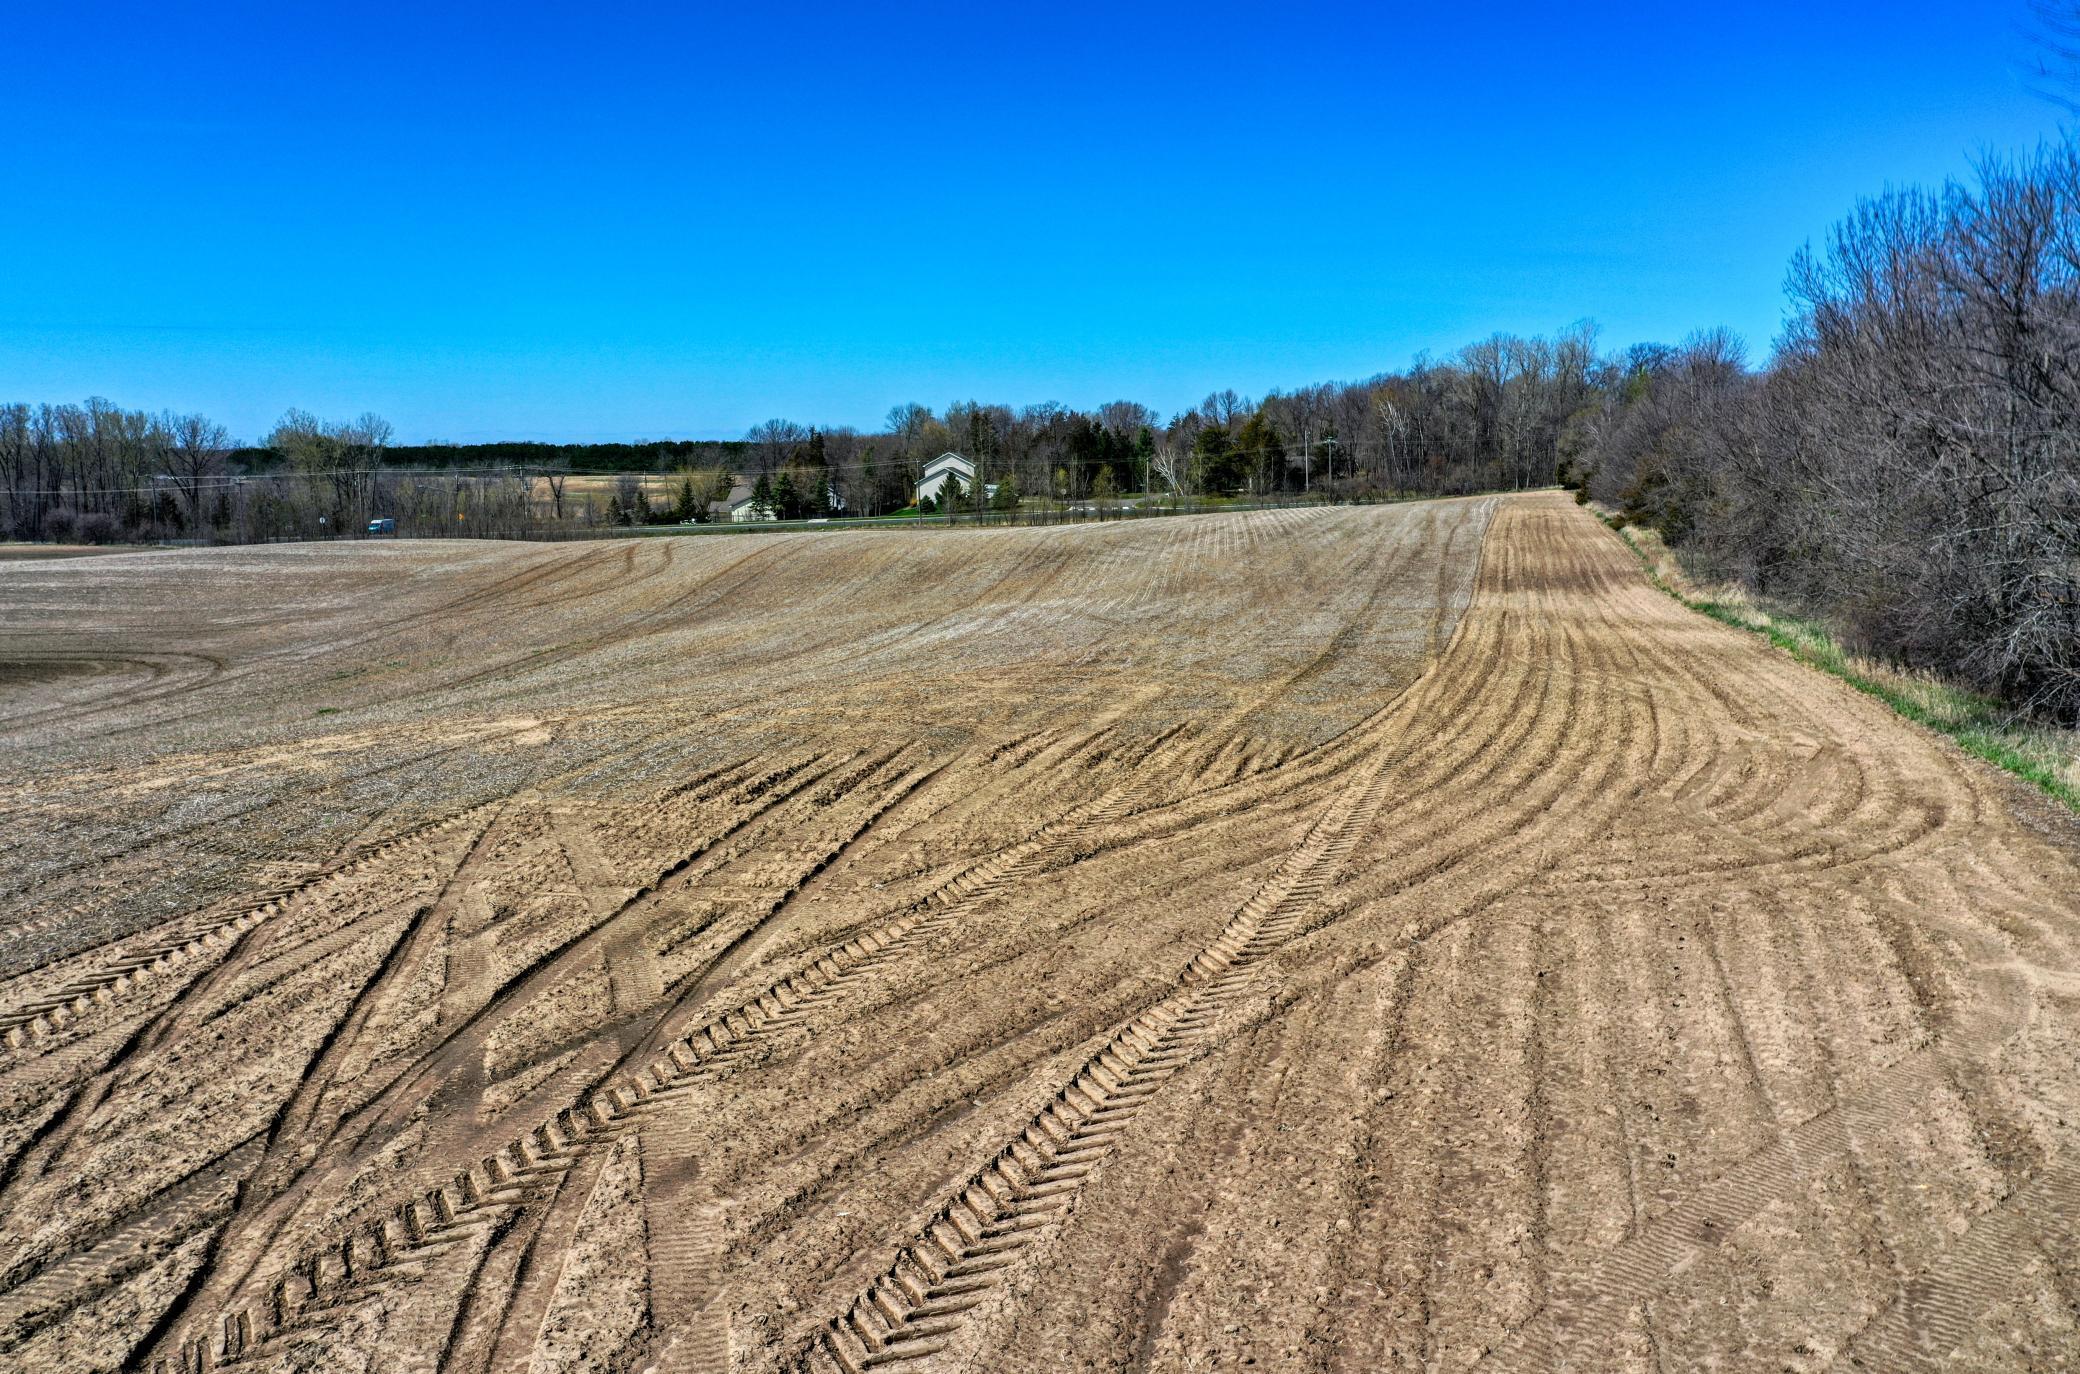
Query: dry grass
column 656, row 485
column 2044, row 754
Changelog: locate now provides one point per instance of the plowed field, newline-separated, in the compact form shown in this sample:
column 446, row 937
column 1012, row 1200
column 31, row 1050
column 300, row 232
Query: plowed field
column 1337, row 940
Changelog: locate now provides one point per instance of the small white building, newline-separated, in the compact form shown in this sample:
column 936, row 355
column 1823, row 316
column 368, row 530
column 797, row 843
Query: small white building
column 933, row 480
column 737, row 508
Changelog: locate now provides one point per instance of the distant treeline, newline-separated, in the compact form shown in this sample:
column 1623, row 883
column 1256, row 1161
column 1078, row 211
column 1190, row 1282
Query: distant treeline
column 1907, row 464
column 1494, row 415
column 661, row 455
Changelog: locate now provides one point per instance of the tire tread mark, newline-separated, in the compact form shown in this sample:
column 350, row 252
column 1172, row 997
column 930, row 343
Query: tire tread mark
column 1031, row 1184
column 35, row 1024
column 319, row 1285
column 1937, row 1312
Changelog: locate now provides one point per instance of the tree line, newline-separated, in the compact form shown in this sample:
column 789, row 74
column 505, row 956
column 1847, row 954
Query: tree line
column 1490, row 416
column 98, row 473
column 1907, row 465
column 654, row 455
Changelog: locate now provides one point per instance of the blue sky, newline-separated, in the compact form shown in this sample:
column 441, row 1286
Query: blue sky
column 617, row 222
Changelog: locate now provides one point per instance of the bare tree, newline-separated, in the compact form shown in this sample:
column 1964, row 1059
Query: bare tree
column 2057, row 40
column 1909, row 465
column 906, row 423
column 1225, row 408
column 195, row 462
column 342, row 460
column 776, row 442
column 1172, row 464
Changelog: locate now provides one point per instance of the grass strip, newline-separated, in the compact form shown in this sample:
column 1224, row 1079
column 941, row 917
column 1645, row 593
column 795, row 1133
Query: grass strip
column 1979, row 724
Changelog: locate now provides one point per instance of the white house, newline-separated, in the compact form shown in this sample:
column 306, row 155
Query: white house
column 736, row 508
column 936, row 472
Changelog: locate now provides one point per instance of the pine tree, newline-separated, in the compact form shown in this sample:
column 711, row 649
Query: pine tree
column 1263, row 452
column 1220, row 467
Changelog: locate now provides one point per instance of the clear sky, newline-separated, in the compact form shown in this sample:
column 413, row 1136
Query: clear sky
column 607, row 221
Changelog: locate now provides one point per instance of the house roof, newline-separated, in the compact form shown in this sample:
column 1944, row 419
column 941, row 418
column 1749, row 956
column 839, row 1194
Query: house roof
column 947, row 461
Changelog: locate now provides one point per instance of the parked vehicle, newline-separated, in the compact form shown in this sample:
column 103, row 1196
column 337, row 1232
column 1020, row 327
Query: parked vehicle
column 384, row 525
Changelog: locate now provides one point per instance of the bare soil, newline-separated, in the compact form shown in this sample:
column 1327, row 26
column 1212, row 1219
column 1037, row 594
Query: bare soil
column 1328, row 940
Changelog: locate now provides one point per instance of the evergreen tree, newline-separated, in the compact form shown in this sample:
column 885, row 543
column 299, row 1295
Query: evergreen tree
column 1263, row 453
column 1220, row 467
column 631, row 503
column 762, row 496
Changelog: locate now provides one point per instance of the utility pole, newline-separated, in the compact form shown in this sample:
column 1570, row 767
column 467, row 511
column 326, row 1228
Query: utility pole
column 1331, row 442
column 975, row 423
